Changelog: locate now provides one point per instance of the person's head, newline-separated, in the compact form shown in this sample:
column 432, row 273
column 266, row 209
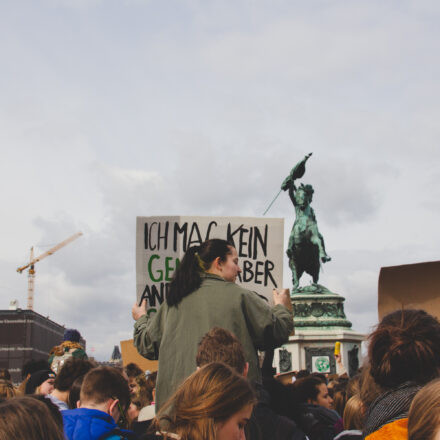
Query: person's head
column 405, row 347
column 33, row 365
column 53, row 409
column 220, row 345
column 105, row 388
column 41, row 382
column 313, row 389
column 27, row 418
column 214, row 403
column 6, row 389
column 321, row 376
column 71, row 334
column 339, row 400
column 214, row 256
column 354, row 414
column 369, row 390
column 424, row 413
column 71, row 369
column 133, row 410
column 353, row 386
column 143, row 393
column 151, row 383
column 225, row 266
column 74, row 392
column 132, row 370
column 4, row 374
column 338, row 393
column 284, row 400
column 332, row 380
column 302, row 373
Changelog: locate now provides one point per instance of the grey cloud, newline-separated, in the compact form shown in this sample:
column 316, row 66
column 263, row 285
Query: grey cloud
column 101, row 313
column 344, row 191
column 206, row 115
column 90, row 284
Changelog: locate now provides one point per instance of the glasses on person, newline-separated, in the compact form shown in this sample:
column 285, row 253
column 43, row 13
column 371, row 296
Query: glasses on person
column 122, row 417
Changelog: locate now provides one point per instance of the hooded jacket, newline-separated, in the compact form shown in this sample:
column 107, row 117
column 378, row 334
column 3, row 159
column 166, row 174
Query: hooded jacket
column 91, row 424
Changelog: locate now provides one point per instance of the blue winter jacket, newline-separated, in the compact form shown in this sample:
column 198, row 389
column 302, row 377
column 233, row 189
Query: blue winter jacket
column 91, row 424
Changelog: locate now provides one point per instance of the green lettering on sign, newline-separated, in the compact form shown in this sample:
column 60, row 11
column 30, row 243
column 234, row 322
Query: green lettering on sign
column 150, row 272
column 168, row 268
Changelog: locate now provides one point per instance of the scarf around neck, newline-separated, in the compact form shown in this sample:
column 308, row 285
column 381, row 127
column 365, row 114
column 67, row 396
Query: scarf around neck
column 390, row 406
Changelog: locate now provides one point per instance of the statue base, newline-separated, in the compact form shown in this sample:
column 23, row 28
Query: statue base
column 320, row 322
column 313, row 350
column 315, row 306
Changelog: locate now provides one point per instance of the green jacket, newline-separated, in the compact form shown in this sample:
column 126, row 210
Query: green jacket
column 173, row 333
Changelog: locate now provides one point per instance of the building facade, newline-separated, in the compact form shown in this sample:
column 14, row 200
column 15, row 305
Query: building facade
column 25, row 335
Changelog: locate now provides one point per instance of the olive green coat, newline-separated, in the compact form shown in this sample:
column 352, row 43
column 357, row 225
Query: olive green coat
column 173, row 333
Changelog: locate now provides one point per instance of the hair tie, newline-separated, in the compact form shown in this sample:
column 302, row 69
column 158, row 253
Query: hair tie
column 200, row 262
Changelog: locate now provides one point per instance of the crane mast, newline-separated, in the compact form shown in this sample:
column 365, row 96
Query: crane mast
column 31, row 283
column 31, row 266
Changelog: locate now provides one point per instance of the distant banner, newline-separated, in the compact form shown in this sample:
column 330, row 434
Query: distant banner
column 161, row 243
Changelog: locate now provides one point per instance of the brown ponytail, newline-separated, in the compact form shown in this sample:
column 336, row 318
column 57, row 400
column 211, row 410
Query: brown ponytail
column 197, row 259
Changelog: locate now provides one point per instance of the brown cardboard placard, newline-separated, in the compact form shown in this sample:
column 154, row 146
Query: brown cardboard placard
column 130, row 354
column 410, row 286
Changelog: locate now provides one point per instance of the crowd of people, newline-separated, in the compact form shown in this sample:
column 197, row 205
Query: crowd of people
column 210, row 383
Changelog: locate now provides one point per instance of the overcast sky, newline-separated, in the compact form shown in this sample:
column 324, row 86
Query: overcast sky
column 112, row 109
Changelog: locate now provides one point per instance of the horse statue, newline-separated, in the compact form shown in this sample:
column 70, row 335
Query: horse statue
column 306, row 249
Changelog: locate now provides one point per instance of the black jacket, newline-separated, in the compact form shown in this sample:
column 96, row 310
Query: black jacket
column 318, row 422
column 266, row 424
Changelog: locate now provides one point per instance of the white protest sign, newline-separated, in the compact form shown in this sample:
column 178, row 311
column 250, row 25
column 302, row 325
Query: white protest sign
column 161, row 243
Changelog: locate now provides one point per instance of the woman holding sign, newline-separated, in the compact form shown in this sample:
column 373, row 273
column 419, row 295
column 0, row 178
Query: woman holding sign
column 202, row 295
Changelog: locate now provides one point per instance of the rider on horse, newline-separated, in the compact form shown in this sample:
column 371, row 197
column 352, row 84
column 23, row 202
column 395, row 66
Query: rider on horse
column 306, row 248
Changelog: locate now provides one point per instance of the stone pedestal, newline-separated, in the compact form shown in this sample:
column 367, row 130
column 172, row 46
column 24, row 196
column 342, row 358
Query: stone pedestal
column 313, row 350
column 320, row 321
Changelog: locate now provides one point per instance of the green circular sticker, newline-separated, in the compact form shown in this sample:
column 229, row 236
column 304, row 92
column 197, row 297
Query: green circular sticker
column 322, row 364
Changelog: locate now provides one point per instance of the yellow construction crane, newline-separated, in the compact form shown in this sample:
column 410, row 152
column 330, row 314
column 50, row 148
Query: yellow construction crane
column 31, row 264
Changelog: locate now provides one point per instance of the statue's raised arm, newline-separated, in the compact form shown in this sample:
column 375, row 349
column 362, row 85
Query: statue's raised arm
column 297, row 172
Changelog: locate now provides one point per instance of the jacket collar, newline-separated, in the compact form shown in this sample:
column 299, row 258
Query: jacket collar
column 211, row 276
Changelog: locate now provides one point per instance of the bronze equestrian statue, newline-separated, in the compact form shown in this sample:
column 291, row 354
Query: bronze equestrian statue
column 306, row 250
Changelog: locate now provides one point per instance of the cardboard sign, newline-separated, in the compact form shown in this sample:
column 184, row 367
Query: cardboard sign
column 130, row 354
column 410, row 286
column 161, row 243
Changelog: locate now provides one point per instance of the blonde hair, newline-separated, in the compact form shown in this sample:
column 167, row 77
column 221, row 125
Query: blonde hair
column 368, row 388
column 354, row 413
column 424, row 413
column 209, row 396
